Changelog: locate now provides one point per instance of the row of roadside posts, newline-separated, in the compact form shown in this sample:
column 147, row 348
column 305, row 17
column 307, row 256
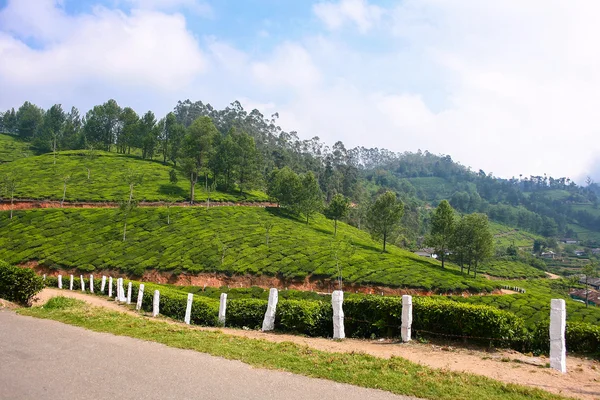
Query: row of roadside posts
column 558, row 313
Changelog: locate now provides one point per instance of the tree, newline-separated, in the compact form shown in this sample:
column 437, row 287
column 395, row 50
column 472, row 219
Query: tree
column 590, row 271
column 310, row 199
column 267, row 225
column 102, row 125
column 284, row 186
column 166, row 134
column 132, row 178
column 459, row 242
column 51, row 131
column 442, row 229
column 247, row 160
column 9, row 185
column 341, row 250
column 148, row 132
column 197, row 150
column 384, row 215
column 477, row 240
column 65, row 178
column 130, row 125
column 126, row 207
column 90, row 156
column 337, row 209
column 29, row 120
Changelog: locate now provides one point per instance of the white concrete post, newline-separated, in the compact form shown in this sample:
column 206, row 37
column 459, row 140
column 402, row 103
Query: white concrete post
column 269, row 320
column 155, row 303
column 103, row 284
column 337, row 299
column 129, row 293
column 406, row 317
column 60, row 281
column 91, row 283
column 188, row 309
column 222, row 308
column 121, row 291
column 110, row 286
column 44, row 276
column 558, row 325
column 138, row 305
column 82, row 283
column 71, row 283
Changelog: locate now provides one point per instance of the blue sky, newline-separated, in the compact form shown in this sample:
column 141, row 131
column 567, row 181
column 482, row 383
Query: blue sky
column 499, row 86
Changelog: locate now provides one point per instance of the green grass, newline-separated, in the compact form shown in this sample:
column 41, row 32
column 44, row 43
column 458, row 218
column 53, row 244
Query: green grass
column 40, row 178
column 395, row 375
column 12, row 149
column 228, row 240
column 504, row 236
column 534, row 305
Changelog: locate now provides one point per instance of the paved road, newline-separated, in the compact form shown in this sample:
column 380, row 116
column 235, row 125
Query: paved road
column 41, row 359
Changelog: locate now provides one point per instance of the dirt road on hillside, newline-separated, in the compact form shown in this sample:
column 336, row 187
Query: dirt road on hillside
column 582, row 381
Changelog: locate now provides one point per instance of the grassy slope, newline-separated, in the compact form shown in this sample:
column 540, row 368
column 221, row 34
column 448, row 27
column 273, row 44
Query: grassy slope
column 44, row 179
column 198, row 239
column 12, row 149
column 396, row 375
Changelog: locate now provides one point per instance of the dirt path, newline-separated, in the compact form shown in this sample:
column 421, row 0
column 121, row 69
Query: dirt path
column 35, row 204
column 552, row 276
column 582, row 381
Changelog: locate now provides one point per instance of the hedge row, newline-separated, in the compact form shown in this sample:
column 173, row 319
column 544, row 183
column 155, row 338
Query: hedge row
column 19, row 284
column 369, row 317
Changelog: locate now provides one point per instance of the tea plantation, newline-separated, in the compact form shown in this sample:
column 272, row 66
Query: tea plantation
column 230, row 240
column 12, row 149
column 39, row 178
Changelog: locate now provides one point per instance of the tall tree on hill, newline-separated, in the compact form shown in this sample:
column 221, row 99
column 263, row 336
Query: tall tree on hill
column 284, row 185
column 166, row 134
column 176, row 143
column 337, row 209
column 71, row 136
column 133, row 179
column 223, row 163
column 29, row 119
column 461, row 250
column 197, row 150
column 102, row 125
column 442, row 229
column 51, row 131
column 310, row 198
column 478, row 240
column 247, row 159
column 384, row 215
column 148, row 133
column 130, row 122
column 590, row 271
column 9, row 121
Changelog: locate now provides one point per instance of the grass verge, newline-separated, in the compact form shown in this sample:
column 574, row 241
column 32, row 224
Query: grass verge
column 395, row 375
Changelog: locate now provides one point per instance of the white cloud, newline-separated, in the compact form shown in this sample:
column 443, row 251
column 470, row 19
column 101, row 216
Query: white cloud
column 104, row 50
column 290, row 65
column 358, row 12
column 196, row 6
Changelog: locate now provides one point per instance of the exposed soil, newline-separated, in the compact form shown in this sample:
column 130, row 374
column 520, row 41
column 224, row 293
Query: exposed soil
column 318, row 285
column 34, row 204
column 581, row 381
column 552, row 276
column 8, row 304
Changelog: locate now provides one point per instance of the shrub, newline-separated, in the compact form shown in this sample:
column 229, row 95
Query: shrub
column 313, row 318
column 19, row 284
column 245, row 312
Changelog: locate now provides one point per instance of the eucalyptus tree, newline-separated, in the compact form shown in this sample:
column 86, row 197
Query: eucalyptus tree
column 337, row 209
column 384, row 215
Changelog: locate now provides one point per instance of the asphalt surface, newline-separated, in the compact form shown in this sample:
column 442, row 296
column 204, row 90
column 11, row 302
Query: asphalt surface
column 42, row 359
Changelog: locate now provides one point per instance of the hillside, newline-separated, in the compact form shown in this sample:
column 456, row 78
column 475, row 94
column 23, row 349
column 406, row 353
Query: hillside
column 227, row 240
column 12, row 149
column 40, row 178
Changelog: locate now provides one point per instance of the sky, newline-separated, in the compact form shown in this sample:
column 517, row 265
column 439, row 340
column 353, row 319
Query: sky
column 511, row 87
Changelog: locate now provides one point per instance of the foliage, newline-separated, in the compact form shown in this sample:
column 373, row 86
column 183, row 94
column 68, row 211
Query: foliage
column 442, row 230
column 19, row 284
column 383, row 216
column 337, row 209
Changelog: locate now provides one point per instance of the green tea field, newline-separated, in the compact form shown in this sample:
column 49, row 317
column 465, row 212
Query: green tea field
column 39, row 178
column 12, row 149
column 227, row 240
